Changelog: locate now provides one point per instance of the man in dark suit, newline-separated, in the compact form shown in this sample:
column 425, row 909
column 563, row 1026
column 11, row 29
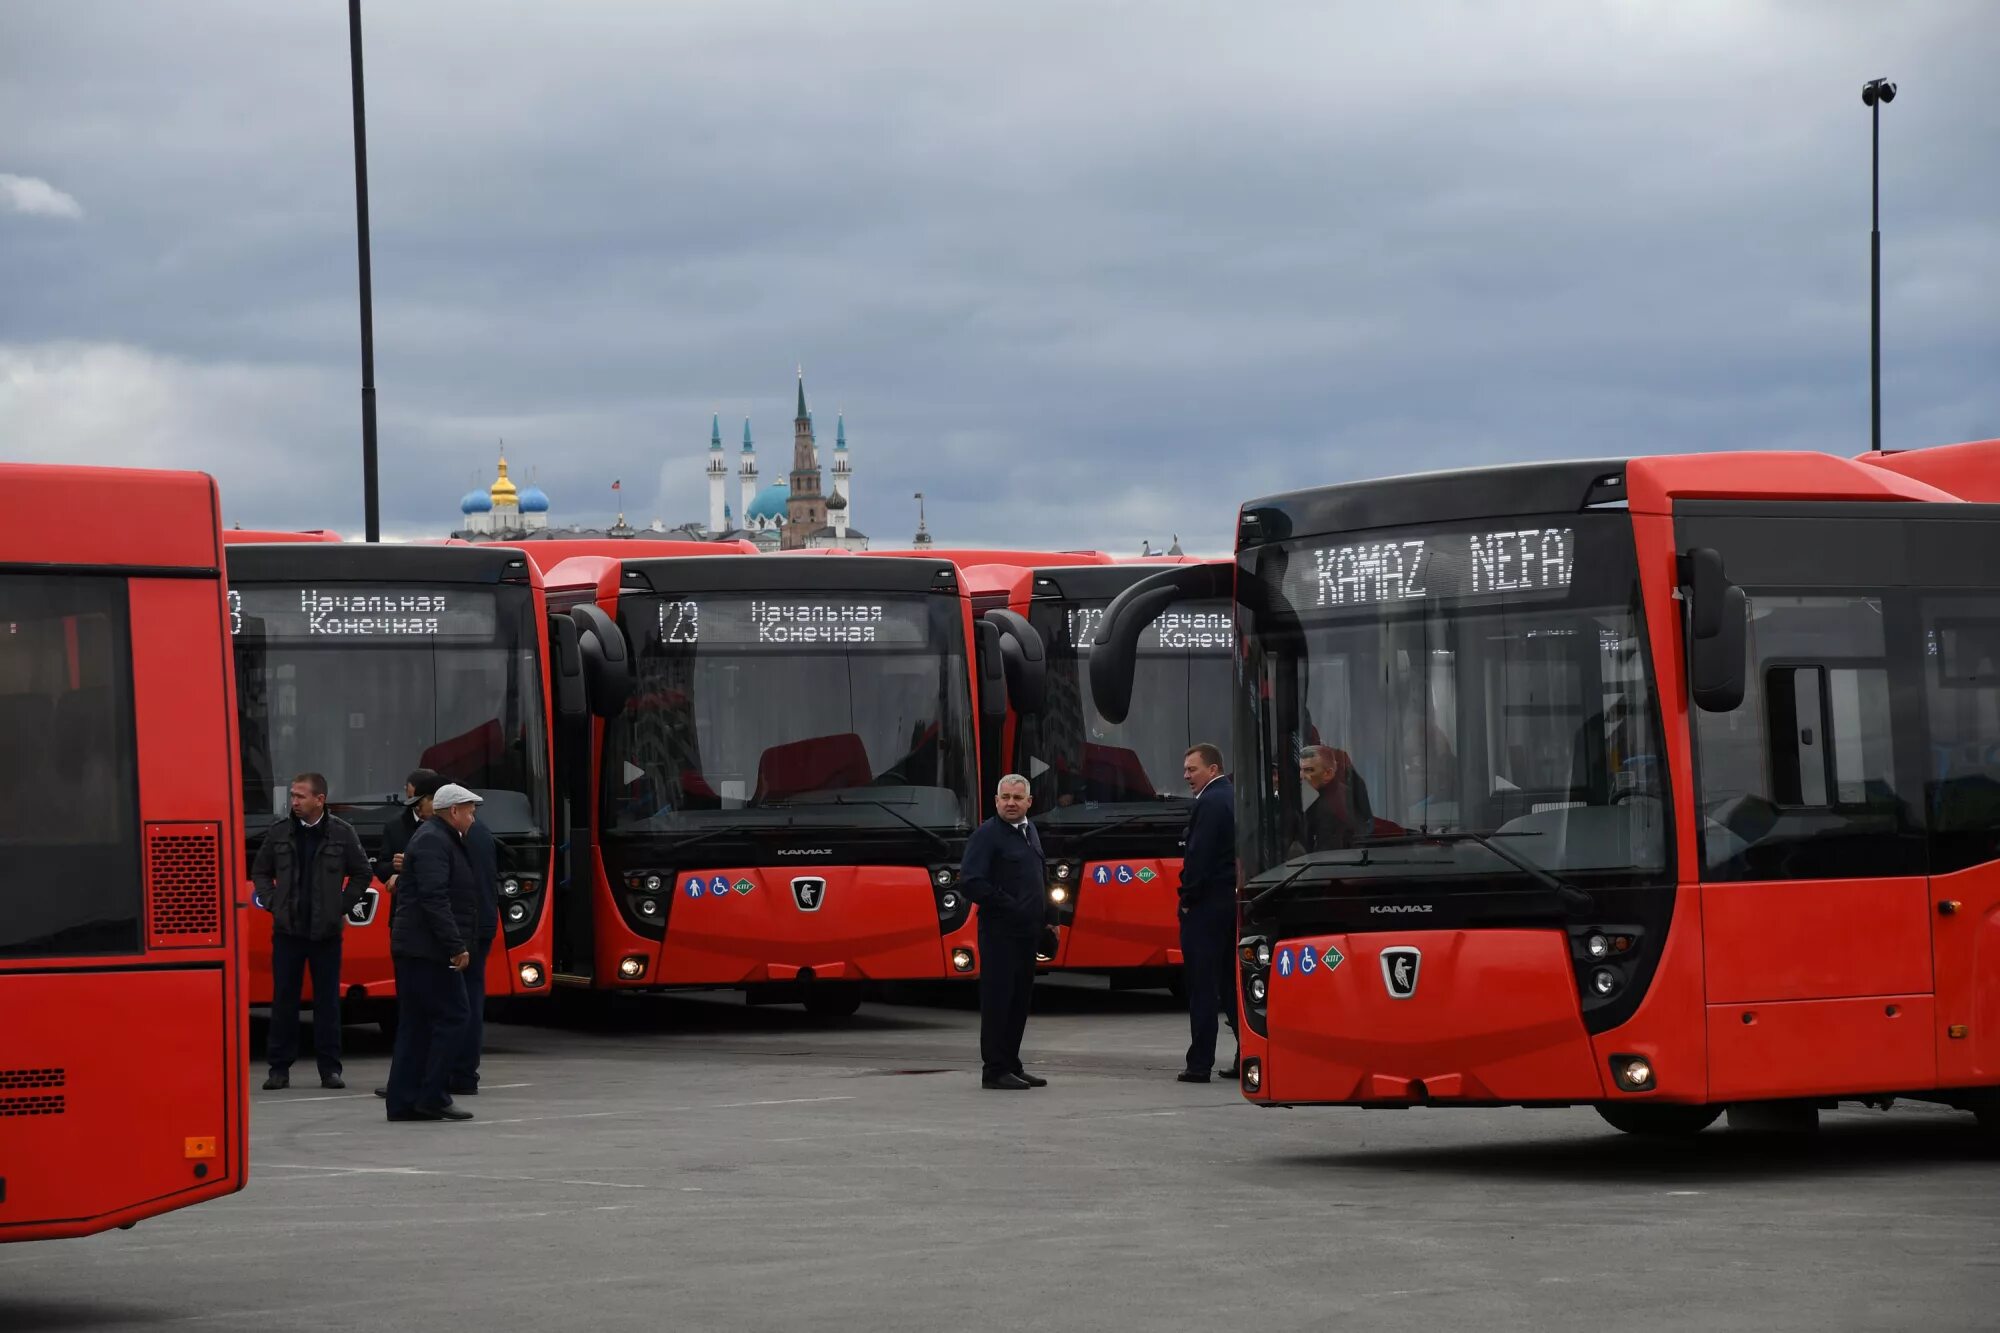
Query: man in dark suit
column 1208, row 907
column 1006, row 878
column 1339, row 812
column 483, row 849
column 432, row 925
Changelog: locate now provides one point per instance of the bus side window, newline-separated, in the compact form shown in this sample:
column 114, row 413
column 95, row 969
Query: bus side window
column 1799, row 781
column 1962, row 696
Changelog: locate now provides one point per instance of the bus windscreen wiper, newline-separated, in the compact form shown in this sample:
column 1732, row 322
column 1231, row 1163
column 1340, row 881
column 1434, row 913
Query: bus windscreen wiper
column 932, row 834
column 1146, row 817
column 1572, row 897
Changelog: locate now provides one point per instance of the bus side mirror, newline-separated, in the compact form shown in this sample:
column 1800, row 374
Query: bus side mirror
column 572, row 700
column 1114, row 652
column 607, row 668
column 1718, row 632
column 1022, row 658
column 992, row 671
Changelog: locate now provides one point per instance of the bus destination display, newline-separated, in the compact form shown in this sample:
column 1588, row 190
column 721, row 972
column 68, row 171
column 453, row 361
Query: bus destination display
column 1173, row 631
column 352, row 612
column 1517, row 562
column 794, row 621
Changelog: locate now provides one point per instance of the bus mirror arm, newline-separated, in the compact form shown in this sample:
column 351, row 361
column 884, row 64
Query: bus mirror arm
column 566, row 668
column 1022, row 659
column 1718, row 632
column 1114, row 652
column 607, row 668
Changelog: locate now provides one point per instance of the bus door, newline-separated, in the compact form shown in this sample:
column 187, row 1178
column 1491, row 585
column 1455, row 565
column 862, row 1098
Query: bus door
column 590, row 674
column 1803, row 652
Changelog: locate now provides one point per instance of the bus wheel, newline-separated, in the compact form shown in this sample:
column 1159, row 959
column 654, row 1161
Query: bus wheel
column 1658, row 1120
column 825, row 1000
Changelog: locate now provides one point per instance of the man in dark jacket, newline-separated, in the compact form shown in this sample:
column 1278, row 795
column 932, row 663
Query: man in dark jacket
column 1007, row 880
column 1339, row 812
column 483, row 850
column 1208, row 907
column 418, row 788
column 308, row 874
column 432, row 923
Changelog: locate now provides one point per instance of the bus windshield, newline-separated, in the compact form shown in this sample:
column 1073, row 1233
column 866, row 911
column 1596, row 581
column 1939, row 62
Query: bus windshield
column 1085, row 770
column 792, row 710
column 364, row 684
column 1490, row 687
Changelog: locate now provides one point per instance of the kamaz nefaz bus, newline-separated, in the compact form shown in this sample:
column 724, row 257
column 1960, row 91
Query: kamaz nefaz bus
column 1684, row 781
column 123, row 1023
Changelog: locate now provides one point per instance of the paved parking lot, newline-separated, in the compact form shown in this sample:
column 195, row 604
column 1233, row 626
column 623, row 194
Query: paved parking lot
column 692, row 1163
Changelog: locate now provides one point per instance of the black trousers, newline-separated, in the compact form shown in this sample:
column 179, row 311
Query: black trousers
column 1006, row 981
column 1208, row 962
column 465, row 1068
column 290, row 956
column 430, row 999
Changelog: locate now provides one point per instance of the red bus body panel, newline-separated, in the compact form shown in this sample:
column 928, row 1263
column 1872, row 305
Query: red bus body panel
column 98, row 1133
column 1127, row 916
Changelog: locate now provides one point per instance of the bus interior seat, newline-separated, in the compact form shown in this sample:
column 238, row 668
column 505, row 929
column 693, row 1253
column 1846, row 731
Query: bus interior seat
column 1629, row 832
column 820, row 763
column 470, row 751
column 1113, row 772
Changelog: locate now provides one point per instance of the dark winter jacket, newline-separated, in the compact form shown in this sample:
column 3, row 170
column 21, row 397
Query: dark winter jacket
column 1208, row 850
column 436, row 911
column 1006, row 878
column 313, row 904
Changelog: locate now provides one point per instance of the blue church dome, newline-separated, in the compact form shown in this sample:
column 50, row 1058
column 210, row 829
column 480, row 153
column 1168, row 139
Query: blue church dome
column 534, row 500
column 769, row 504
column 476, row 502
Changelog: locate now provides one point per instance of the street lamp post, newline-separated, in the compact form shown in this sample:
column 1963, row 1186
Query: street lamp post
column 1874, row 94
column 370, row 494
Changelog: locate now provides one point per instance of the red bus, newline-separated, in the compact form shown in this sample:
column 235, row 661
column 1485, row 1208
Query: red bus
column 1684, row 785
column 1110, row 800
column 782, row 804
column 123, row 1043
column 363, row 662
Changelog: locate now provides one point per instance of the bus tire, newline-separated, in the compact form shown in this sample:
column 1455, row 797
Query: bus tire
column 833, row 1000
column 1658, row 1120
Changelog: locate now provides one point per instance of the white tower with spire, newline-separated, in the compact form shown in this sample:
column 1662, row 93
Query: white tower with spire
column 718, row 478
column 747, row 471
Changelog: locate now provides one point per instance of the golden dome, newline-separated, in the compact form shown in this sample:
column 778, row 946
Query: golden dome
column 502, row 491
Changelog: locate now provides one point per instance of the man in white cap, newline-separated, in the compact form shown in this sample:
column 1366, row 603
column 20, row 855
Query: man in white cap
column 432, row 926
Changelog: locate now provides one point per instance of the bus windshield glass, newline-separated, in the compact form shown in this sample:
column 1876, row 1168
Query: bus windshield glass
column 1085, row 770
column 363, row 684
column 1490, row 685
column 792, row 710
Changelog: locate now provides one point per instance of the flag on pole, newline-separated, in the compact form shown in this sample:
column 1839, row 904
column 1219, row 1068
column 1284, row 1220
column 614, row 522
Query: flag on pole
column 614, row 485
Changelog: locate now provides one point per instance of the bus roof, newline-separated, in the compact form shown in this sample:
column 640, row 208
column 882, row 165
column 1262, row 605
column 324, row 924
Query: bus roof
column 1971, row 471
column 265, row 536
column 547, row 554
column 363, row 562
column 790, row 571
column 183, row 514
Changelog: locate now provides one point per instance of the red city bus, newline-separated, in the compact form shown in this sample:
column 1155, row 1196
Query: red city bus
column 123, row 1043
column 1683, row 777
column 782, row 804
column 363, row 662
column 1110, row 799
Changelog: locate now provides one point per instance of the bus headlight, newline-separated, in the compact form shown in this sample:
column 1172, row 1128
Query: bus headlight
column 1604, row 981
column 649, row 907
column 943, row 877
column 531, row 975
column 1062, row 870
column 510, row 887
column 1253, row 1075
column 1058, row 894
column 1597, row 946
column 1263, row 953
column 1257, row 989
column 517, row 912
column 632, row 966
column 653, row 884
column 962, row 960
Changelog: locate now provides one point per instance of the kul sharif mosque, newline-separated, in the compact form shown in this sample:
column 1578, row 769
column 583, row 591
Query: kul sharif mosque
column 798, row 512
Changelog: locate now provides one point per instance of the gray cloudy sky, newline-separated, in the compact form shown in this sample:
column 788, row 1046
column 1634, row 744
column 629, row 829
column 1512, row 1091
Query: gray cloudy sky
column 1084, row 273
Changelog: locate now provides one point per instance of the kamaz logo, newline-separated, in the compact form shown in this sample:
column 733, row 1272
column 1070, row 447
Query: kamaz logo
column 1399, row 907
column 805, row 851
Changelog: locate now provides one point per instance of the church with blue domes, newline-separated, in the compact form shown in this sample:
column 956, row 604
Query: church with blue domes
column 502, row 511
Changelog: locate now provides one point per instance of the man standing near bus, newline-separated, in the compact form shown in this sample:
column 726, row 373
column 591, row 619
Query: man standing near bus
column 1208, row 907
column 1007, row 880
column 418, row 788
column 483, row 850
column 431, row 925
column 309, row 873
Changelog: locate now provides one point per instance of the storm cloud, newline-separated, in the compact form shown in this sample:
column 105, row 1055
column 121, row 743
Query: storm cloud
column 1083, row 274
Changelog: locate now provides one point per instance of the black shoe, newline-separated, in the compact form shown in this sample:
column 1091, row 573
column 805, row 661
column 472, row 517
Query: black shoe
column 1234, row 1069
column 446, row 1112
column 279, row 1080
column 1192, row 1076
column 470, row 1090
column 1006, row 1083
column 333, row 1080
column 383, row 1093
column 1030, row 1079
column 396, row 1116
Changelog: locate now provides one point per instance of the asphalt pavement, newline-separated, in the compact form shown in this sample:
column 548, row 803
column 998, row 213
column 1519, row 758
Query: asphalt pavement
column 691, row 1162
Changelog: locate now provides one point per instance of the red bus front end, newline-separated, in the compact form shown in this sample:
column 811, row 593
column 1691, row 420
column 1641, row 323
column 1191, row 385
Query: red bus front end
column 365, row 662
column 1663, row 786
column 783, row 802
column 123, row 1043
